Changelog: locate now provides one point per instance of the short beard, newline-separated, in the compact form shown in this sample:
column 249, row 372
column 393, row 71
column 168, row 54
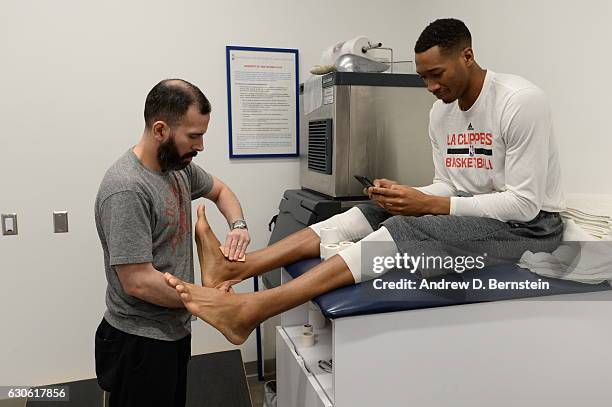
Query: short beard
column 169, row 158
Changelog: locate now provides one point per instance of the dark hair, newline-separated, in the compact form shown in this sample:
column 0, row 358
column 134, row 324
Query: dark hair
column 447, row 33
column 170, row 99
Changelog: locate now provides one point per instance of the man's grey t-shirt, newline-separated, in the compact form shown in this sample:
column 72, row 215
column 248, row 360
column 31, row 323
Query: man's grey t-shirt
column 145, row 216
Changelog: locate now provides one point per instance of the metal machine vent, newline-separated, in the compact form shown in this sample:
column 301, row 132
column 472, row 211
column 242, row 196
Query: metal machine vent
column 320, row 146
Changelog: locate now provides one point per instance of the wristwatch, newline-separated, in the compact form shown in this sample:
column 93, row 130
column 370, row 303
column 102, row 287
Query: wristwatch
column 239, row 224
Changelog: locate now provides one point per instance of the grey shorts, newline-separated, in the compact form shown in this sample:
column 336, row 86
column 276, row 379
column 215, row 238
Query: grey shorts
column 448, row 235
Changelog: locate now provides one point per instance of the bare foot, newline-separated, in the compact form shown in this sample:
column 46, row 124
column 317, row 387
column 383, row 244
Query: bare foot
column 231, row 314
column 215, row 268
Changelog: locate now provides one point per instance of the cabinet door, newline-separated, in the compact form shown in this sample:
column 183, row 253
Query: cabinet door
column 296, row 385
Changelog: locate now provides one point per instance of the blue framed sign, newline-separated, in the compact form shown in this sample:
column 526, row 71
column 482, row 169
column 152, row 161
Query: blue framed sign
column 262, row 102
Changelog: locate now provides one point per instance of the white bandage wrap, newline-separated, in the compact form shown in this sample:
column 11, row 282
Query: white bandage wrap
column 352, row 254
column 352, row 225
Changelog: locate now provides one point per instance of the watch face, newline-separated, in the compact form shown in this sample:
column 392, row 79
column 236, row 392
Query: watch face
column 239, row 224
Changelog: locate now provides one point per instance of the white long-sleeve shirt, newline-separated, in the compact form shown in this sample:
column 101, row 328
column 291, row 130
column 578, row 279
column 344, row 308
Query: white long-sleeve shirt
column 502, row 150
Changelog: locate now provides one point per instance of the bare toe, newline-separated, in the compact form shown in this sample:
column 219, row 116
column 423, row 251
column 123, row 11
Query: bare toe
column 171, row 280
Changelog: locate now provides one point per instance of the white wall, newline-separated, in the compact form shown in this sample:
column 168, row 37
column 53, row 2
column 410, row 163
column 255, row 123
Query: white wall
column 72, row 85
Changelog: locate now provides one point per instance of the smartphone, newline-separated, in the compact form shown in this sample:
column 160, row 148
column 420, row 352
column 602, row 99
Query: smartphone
column 365, row 181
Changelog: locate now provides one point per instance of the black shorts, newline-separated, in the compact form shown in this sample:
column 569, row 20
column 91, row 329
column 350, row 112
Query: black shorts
column 139, row 371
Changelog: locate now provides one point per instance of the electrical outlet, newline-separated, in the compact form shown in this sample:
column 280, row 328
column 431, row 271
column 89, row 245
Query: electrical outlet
column 9, row 224
column 60, row 222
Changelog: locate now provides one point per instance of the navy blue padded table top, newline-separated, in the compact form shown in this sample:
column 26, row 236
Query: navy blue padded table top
column 363, row 298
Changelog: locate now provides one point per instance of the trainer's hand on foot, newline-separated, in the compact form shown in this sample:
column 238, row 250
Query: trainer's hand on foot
column 236, row 244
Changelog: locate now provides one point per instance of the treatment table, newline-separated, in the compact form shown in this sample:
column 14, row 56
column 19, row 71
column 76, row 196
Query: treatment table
column 450, row 347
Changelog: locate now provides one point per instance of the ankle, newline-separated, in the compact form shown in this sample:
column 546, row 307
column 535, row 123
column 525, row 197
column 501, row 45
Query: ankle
column 239, row 270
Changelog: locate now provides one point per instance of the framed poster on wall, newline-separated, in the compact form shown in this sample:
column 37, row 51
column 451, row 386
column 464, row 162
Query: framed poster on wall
column 262, row 98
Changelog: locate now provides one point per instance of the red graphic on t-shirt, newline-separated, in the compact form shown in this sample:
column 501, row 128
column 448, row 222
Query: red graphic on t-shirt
column 176, row 215
column 481, row 138
column 463, row 149
column 468, row 162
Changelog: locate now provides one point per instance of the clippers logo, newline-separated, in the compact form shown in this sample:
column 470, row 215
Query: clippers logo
column 469, row 145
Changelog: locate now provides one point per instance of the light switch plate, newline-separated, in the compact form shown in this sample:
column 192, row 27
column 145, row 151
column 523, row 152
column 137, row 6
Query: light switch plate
column 9, row 224
column 60, row 222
